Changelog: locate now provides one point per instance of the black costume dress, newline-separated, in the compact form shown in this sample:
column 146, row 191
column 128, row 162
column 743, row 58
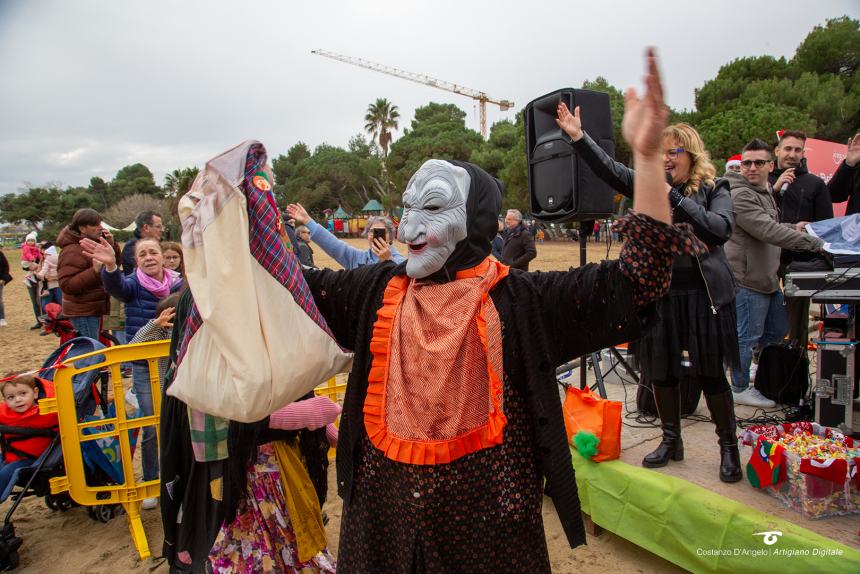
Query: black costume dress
column 482, row 512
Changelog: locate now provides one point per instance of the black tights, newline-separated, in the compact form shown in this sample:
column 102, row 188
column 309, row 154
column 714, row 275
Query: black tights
column 709, row 385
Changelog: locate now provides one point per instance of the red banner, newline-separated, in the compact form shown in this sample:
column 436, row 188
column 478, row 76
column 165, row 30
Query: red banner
column 822, row 159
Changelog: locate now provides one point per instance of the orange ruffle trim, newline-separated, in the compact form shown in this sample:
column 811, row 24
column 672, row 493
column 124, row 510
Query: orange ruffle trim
column 428, row 452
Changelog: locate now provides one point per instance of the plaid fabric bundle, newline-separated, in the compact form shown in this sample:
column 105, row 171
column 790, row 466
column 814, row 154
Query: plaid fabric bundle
column 254, row 339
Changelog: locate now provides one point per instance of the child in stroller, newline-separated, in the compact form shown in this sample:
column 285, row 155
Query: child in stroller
column 24, row 433
column 39, row 456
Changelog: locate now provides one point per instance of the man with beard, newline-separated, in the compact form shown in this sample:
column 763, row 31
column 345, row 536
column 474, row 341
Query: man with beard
column 800, row 197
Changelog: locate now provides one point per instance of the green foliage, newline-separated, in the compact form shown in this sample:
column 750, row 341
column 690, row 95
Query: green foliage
column 46, row 209
column 334, row 176
column 727, row 132
column 131, row 180
column 438, row 131
column 99, row 188
column 503, row 156
column 831, row 49
column 733, row 79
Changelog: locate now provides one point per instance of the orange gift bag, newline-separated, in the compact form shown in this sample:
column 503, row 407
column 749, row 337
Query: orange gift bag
column 586, row 411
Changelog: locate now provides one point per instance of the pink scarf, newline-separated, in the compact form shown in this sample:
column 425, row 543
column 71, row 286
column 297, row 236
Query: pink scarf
column 158, row 288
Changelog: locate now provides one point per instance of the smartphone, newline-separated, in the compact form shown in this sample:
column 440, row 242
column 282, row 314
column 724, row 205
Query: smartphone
column 379, row 233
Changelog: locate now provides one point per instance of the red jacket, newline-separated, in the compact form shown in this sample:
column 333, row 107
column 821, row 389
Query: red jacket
column 30, row 418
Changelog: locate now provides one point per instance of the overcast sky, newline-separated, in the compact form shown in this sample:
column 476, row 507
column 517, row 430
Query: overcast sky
column 89, row 86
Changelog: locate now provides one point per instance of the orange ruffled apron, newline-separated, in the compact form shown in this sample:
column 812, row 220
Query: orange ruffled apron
column 435, row 385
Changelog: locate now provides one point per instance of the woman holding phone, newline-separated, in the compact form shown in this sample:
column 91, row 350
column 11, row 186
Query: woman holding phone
column 379, row 232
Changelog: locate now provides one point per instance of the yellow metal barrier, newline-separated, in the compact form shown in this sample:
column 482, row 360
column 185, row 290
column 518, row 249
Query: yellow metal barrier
column 131, row 492
column 331, row 390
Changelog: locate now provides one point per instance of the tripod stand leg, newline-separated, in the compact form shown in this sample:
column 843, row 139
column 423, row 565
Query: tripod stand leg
column 623, row 362
column 598, row 375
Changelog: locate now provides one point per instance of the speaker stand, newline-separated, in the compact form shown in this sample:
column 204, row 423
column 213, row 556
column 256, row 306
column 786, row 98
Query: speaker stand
column 595, row 357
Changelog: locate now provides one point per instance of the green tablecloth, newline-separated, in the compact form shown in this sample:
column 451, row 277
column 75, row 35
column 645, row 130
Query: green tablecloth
column 697, row 529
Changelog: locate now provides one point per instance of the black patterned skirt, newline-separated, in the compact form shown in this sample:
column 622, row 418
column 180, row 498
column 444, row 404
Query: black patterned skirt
column 688, row 339
column 479, row 513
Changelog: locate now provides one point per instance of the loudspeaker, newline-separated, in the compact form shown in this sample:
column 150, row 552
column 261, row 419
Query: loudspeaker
column 561, row 186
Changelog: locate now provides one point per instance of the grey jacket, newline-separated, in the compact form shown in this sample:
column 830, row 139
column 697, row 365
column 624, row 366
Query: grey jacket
column 754, row 248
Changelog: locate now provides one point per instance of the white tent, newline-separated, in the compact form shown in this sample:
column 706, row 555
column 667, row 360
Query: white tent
column 129, row 227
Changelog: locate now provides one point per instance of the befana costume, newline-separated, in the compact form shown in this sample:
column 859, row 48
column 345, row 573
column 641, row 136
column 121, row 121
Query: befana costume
column 452, row 417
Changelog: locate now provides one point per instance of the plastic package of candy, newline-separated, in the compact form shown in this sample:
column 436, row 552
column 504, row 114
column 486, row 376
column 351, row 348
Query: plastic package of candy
column 810, row 468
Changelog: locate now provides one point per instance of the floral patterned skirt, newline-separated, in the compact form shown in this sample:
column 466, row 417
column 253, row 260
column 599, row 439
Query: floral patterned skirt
column 261, row 538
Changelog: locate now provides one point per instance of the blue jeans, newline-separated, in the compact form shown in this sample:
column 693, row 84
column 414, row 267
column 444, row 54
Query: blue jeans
column 762, row 320
column 54, row 296
column 87, row 326
column 149, row 444
column 6, row 472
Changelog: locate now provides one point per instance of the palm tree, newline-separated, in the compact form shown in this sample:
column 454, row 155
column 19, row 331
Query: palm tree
column 179, row 181
column 380, row 119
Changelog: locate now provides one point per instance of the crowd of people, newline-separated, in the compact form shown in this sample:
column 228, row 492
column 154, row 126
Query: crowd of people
column 723, row 306
column 441, row 484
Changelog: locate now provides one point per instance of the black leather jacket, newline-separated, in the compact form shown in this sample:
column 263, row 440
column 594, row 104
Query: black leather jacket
column 709, row 211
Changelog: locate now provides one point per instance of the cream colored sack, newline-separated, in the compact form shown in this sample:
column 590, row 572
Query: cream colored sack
column 257, row 349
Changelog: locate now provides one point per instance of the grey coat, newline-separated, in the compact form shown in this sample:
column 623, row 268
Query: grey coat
column 754, row 248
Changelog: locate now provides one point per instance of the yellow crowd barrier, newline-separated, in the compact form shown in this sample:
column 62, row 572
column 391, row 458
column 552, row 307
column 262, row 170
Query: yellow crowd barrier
column 73, row 433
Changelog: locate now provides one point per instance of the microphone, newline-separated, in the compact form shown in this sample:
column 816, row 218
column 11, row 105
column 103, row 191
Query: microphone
column 783, row 188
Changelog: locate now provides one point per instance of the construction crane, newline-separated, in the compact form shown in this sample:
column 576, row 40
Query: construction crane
column 483, row 99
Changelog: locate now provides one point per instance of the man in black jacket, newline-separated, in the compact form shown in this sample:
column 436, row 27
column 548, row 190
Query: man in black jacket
column 800, row 196
column 845, row 183
column 519, row 247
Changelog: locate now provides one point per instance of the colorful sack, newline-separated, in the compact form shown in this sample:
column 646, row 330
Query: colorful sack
column 261, row 343
column 586, row 411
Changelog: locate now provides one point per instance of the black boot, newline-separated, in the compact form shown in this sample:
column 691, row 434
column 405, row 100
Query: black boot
column 723, row 414
column 668, row 401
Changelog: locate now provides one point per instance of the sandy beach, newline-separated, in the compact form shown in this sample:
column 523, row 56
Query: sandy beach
column 72, row 542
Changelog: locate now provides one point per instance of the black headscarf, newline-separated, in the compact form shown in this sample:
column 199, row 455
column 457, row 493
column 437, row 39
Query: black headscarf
column 483, row 203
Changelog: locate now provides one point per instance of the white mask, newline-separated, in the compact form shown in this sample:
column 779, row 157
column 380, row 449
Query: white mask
column 434, row 216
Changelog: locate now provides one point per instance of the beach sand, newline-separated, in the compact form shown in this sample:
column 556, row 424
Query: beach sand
column 73, row 542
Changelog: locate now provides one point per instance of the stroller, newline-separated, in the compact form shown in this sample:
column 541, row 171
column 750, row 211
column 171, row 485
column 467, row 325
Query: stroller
column 53, row 321
column 90, row 397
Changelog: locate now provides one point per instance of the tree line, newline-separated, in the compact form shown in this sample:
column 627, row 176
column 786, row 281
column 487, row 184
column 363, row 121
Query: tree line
column 817, row 90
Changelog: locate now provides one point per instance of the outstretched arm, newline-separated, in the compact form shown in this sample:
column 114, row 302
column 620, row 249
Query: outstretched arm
column 347, row 255
column 642, row 127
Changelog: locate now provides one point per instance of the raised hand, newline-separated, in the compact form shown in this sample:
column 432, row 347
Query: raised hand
column 852, row 158
column 100, row 252
column 643, row 124
column 381, row 249
column 297, row 212
column 569, row 122
column 644, row 119
column 165, row 319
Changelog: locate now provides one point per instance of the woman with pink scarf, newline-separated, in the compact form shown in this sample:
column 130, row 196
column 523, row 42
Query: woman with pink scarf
column 141, row 291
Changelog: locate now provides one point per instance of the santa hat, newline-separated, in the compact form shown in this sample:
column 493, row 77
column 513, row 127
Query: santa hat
column 832, row 469
column 735, row 160
column 32, row 235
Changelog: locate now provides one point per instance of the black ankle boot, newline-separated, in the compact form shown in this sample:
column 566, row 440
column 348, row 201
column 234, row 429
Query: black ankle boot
column 723, row 413
column 668, row 401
